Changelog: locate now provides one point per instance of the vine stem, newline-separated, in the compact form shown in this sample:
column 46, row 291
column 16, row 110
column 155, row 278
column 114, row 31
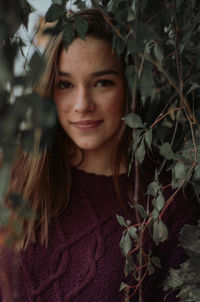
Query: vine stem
column 139, row 285
column 137, row 180
column 172, row 84
column 190, row 170
column 108, row 21
column 164, row 115
column 168, row 202
column 136, row 202
column 193, row 139
column 178, row 56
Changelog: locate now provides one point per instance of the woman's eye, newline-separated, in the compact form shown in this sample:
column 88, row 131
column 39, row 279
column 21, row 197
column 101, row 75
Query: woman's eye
column 104, row 83
column 64, row 85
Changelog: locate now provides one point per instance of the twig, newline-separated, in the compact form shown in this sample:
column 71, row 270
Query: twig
column 175, row 130
column 108, row 20
column 164, row 115
column 168, row 202
column 173, row 84
column 178, row 56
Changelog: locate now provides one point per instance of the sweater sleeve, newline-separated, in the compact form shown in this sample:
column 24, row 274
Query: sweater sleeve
column 5, row 270
column 9, row 274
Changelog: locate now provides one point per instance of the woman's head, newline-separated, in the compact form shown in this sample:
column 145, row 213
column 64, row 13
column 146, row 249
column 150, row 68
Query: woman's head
column 89, row 69
column 89, row 94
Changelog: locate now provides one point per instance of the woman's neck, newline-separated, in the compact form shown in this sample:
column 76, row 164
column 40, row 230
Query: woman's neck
column 100, row 164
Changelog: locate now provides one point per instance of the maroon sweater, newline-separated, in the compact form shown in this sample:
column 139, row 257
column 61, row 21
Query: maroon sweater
column 83, row 261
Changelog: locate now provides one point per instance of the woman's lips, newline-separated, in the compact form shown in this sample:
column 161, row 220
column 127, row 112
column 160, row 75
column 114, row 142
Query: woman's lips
column 87, row 124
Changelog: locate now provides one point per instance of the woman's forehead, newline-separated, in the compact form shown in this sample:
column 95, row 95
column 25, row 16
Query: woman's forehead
column 91, row 52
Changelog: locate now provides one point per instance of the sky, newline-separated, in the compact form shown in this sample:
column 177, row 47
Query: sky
column 41, row 7
column 40, row 10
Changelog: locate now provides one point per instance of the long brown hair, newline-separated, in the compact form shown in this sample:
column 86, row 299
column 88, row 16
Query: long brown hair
column 45, row 177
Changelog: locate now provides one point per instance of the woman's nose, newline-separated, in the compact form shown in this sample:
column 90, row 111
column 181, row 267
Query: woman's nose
column 83, row 100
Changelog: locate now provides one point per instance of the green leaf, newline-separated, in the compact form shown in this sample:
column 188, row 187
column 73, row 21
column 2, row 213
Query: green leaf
column 193, row 87
column 128, row 222
column 25, row 213
column 68, row 34
column 17, row 201
column 166, row 151
column 129, row 265
column 131, row 16
column 156, row 262
column 121, row 220
column 123, row 286
column 126, row 244
column 160, row 231
column 118, row 44
column 133, row 120
column 159, row 202
column 158, row 53
column 137, row 136
column 196, row 175
column 140, row 152
column 27, row 140
column 130, row 46
column 54, row 13
column 133, row 232
column 190, row 239
column 129, row 73
column 121, row 14
column 81, row 27
column 57, row 2
column 81, row 4
column 141, row 210
column 148, row 138
column 37, row 64
column 173, row 281
column 150, row 268
column 178, row 4
column 5, row 215
column 4, row 180
column 155, row 214
column 180, row 171
column 26, row 9
column 147, row 85
column 143, row 6
column 153, row 188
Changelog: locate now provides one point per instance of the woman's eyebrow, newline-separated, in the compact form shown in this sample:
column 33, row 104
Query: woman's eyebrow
column 104, row 72
column 93, row 74
column 64, row 73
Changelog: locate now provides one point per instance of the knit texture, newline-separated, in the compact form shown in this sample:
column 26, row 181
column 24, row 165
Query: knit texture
column 83, row 261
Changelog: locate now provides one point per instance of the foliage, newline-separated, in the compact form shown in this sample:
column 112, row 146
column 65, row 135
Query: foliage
column 20, row 119
column 162, row 56
column 187, row 278
column 160, row 43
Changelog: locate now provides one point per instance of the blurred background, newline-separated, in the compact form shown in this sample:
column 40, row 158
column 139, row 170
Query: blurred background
column 36, row 19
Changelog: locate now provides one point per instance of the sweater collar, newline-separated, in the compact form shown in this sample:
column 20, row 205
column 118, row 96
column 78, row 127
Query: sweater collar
column 94, row 182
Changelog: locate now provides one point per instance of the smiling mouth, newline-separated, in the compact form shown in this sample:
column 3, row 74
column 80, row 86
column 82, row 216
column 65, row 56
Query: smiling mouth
column 90, row 124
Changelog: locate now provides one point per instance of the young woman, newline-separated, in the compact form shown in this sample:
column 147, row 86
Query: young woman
column 71, row 252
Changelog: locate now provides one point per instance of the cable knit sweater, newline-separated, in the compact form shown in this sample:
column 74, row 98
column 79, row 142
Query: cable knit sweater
column 83, row 260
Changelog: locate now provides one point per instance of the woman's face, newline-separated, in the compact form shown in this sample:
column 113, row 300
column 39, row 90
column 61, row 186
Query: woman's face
column 90, row 94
